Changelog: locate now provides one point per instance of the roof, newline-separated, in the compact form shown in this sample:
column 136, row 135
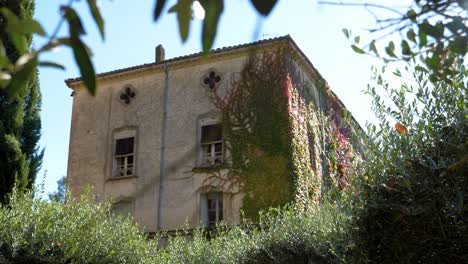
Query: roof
column 196, row 55
column 286, row 38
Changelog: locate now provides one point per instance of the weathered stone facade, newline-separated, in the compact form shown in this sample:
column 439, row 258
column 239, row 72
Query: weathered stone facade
column 132, row 103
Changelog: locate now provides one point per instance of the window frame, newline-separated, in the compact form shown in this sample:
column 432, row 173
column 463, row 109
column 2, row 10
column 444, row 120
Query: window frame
column 122, row 134
column 219, row 209
column 203, row 161
column 123, row 207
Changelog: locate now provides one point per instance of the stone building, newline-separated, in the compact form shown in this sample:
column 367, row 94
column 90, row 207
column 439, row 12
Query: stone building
column 148, row 136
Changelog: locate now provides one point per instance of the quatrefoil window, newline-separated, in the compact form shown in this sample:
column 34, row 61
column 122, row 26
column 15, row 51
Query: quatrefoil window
column 127, row 95
column 211, row 79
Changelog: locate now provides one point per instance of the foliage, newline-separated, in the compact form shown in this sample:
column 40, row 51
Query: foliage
column 60, row 194
column 84, row 231
column 434, row 30
column 414, row 196
column 31, row 129
column 277, row 128
column 320, row 235
column 257, row 132
column 213, row 11
column 19, row 30
column 20, row 124
column 37, row 231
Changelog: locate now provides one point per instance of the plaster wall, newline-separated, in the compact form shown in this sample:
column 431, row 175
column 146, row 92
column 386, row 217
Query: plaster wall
column 96, row 120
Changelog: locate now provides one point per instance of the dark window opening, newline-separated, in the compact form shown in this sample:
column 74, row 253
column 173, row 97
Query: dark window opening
column 211, row 151
column 124, row 157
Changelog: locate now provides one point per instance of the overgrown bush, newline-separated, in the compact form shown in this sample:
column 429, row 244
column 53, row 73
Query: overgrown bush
column 37, row 231
column 282, row 236
column 414, row 197
column 80, row 231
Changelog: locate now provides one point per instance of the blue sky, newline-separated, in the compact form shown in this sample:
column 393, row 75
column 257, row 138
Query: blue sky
column 131, row 37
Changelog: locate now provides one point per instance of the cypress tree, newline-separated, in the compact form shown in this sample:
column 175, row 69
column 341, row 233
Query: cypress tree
column 20, row 124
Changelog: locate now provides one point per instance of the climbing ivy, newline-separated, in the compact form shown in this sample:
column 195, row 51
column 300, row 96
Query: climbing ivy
column 285, row 136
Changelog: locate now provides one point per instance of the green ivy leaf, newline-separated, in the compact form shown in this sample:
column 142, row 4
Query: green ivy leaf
column 264, row 7
column 82, row 58
column 213, row 10
column 357, row 49
column 97, row 16
column 183, row 8
column 158, row 9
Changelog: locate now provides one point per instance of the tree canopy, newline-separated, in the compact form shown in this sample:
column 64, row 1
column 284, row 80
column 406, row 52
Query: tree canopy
column 20, row 124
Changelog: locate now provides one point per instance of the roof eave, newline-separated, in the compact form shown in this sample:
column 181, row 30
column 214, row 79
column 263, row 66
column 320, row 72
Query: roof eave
column 72, row 83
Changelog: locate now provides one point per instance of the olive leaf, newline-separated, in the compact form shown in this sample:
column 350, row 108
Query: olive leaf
column 3, row 57
column 51, row 64
column 411, row 35
column 357, row 49
column 18, row 40
column 373, row 48
column 183, row 8
column 346, row 32
column 74, row 22
column 23, row 72
column 97, row 16
column 264, row 7
column 21, row 26
column 80, row 51
column 405, row 48
column 213, row 10
column 82, row 58
column 158, row 9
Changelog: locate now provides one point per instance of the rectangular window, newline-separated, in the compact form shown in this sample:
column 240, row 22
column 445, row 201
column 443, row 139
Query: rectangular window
column 124, row 156
column 211, row 209
column 123, row 208
column 211, row 145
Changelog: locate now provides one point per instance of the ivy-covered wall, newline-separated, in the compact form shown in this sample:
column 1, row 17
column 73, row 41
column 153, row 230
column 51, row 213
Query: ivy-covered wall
column 285, row 134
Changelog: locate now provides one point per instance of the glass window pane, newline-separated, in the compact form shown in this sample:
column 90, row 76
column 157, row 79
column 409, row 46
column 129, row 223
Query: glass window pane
column 211, row 133
column 124, row 146
column 120, row 166
column 211, row 216
column 218, row 147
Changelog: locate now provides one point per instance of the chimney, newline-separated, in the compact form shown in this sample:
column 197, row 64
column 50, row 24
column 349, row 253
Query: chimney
column 160, row 54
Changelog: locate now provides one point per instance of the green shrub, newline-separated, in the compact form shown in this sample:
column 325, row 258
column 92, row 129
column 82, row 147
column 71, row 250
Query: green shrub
column 37, row 231
column 82, row 231
column 414, row 199
column 282, row 236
